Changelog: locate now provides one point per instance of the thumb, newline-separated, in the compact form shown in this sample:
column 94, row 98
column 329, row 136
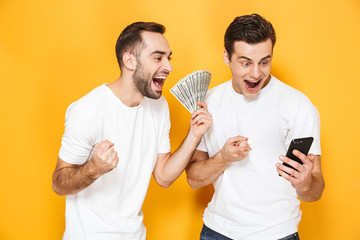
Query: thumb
column 103, row 146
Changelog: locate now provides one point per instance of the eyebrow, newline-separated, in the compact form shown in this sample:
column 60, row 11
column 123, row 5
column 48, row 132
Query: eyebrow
column 249, row 59
column 160, row 52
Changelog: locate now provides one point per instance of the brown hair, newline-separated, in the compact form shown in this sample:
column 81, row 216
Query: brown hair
column 250, row 29
column 130, row 38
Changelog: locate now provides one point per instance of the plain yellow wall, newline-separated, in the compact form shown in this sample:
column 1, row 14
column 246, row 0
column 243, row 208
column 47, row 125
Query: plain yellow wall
column 54, row 52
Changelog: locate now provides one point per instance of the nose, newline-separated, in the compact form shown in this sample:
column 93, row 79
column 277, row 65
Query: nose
column 255, row 71
column 167, row 66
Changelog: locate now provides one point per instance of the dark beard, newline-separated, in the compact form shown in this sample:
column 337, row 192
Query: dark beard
column 142, row 83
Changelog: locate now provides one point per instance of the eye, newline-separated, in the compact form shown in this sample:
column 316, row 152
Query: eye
column 264, row 63
column 245, row 64
column 158, row 58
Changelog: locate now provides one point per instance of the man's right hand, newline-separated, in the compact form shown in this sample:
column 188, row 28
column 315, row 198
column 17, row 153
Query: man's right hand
column 203, row 170
column 71, row 178
column 235, row 149
column 104, row 158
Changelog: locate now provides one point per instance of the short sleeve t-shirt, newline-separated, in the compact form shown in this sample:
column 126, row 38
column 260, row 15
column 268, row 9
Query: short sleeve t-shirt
column 110, row 208
column 251, row 201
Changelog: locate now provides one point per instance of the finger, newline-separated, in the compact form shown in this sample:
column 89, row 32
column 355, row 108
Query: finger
column 287, row 170
column 237, row 139
column 114, row 159
column 202, row 104
column 241, row 152
column 302, row 157
column 311, row 157
column 291, row 162
column 107, row 142
column 201, row 119
column 285, row 175
column 243, row 145
column 200, row 112
column 108, row 153
column 103, row 146
column 290, row 172
column 245, row 148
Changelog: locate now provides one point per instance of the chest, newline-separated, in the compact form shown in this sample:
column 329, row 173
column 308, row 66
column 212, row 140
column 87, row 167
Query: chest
column 259, row 121
column 129, row 129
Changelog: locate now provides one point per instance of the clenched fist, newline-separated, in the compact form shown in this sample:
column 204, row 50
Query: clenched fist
column 104, row 158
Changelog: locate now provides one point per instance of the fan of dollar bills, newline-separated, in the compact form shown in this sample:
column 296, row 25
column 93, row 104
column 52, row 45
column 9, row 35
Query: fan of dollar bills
column 191, row 89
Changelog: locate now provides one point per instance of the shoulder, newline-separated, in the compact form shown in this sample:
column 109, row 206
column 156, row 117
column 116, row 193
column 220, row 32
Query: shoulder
column 88, row 104
column 217, row 97
column 289, row 94
column 217, row 92
column 219, row 89
column 292, row 101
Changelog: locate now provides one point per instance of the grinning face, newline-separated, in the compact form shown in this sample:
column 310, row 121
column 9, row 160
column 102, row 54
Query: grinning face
column 250, row 65
column 152, row 65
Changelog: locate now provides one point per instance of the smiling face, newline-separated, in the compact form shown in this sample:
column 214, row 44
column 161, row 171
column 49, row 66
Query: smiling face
column 152, row 65
column 250, row 65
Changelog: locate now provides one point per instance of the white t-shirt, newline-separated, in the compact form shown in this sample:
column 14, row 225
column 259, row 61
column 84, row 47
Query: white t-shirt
column 251, row 201
column 110, row 208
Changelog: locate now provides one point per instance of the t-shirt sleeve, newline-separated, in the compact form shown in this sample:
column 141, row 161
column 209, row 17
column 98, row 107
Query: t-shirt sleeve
column 77, row 141
column 307, row 124
column 164, row 146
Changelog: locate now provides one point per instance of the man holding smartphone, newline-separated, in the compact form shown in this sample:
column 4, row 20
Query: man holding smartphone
column 251, row 201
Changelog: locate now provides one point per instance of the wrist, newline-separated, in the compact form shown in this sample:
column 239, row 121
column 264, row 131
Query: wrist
column 92, row 170
column 220, row 158
column 193, row 138
column 305, row 188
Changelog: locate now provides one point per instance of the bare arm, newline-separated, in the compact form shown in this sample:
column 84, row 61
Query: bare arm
column 70, row 178
column 308, row 179
column 170, row 166
column 203, row 170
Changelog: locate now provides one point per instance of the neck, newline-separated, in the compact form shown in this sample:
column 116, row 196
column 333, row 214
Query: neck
column 124, row 89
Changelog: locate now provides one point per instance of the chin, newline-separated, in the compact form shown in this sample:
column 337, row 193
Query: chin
column 154, row 95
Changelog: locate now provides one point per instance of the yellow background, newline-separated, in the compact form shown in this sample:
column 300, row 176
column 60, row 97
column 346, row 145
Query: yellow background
column 54, row 52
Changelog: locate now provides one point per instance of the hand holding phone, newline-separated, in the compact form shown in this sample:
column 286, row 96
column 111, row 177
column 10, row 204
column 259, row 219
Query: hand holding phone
column 301, row 144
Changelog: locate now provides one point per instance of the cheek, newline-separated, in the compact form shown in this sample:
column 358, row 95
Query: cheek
column 267, row 69
column 239, row 72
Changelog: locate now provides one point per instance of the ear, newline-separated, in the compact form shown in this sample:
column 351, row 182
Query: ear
column 129, row 60
column 226, row 58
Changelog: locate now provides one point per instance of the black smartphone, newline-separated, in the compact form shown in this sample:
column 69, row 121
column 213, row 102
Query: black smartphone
column 301, row 144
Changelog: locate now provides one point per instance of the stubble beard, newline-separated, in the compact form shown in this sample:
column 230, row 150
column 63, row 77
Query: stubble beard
column 142, row 81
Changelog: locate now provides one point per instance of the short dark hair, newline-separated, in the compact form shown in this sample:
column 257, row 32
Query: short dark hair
column 250, row 29
column 130, row 38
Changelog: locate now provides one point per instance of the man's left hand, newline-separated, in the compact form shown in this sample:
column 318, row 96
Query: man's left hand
column 301, row 178
column 201, row 120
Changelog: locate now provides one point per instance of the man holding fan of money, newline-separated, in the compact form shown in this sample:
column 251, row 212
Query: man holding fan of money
column 251, row 200
column 117, row 136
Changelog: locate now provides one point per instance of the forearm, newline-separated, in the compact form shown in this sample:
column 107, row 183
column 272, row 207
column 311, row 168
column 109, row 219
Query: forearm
column 72, row 179
column 169, row 170
column 205, row 172
column 314, row 191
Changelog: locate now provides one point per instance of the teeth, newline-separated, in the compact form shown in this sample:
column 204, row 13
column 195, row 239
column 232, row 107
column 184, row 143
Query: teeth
column 161, row 77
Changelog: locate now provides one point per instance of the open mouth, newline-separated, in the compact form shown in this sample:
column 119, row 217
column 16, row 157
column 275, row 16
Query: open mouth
column 159, row 81
column 252, row 85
